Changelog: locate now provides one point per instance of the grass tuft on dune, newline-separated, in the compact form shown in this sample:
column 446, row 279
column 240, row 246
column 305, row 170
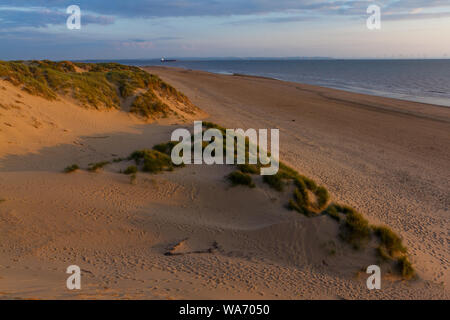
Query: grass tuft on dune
column 131, row 170
column 152, row 161
column 97, row 166
column 71, row 168
column 241, row 178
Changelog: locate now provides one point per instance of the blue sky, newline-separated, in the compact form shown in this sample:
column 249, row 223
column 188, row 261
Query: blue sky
column 139, row 29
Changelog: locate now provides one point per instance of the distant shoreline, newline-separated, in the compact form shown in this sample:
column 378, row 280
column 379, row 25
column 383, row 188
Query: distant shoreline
column 421, row 81
column 423, row 100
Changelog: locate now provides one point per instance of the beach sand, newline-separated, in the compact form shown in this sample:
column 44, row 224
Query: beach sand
column 188, row 234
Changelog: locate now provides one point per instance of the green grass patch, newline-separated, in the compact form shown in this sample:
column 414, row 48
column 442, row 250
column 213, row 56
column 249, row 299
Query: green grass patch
column 356, row 230
column 309, row 183
column 131, row 170
column 249, row 168
column 133, row 178
column 383, row 253
column 275, row 181
column 210, row 125
column 389, row 241
column 301, row 194
column 322, row 197
column 241, row 178
column 406, row 268
column 152, row 161
column 333, row 212
column 97, row 166
column 166, row 147
column 287, row 172
column 343, row 209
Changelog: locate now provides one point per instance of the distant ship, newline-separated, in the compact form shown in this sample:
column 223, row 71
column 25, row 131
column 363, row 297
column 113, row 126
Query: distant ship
column 167, row 60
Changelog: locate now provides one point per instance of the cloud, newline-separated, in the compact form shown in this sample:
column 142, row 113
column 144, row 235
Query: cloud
column 285, row 19
column 141, row 44
column 42, row 13
column 42, row 18
column 183, row 8
column 416, row 16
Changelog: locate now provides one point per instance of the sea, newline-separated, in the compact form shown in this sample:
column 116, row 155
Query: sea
column 426, row 81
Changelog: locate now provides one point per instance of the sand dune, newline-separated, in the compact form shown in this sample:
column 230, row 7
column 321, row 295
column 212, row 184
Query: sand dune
column 188, row 233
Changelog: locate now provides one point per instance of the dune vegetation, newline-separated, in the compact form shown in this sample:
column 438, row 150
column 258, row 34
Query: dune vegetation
column 71, row 168
column 312, row 200
column 94, row 167
column 308, row 198
column 96, row 85
column 240, row 178
column 131, row 170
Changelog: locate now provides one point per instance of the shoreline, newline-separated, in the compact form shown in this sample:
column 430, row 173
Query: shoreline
column 406, row 107
column 435, row 101
column 369, row 92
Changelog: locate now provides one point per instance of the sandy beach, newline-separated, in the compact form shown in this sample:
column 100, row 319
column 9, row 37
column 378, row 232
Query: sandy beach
column 188, row 234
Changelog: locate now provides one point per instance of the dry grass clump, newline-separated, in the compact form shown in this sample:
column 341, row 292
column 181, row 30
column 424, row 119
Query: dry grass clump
column 71, row 168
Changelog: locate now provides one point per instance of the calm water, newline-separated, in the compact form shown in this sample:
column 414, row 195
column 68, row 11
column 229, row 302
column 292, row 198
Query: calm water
column 416, row 80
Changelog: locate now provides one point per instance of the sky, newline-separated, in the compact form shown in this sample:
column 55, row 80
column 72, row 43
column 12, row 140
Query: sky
column 146, row 29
